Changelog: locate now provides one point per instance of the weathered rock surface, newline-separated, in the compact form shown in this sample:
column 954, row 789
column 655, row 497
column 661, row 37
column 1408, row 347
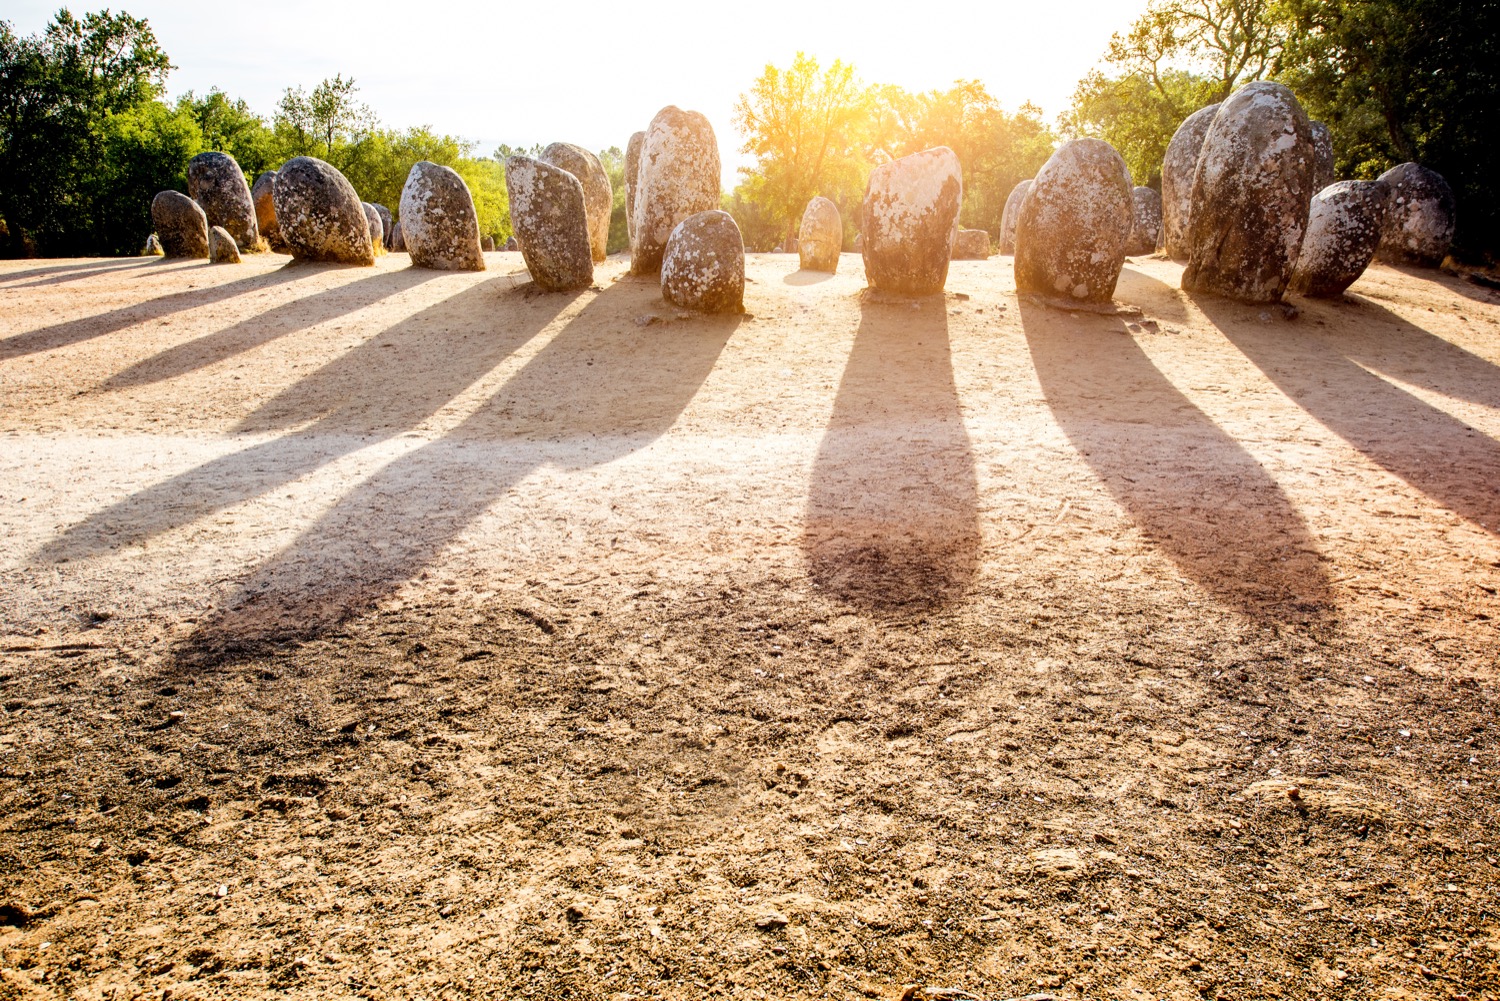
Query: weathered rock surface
column 1251, row 196
column 377, row 228
column 398, row 239
column 1145, row 236
column 152, row 247
column 971, row 245
column 703, row 267
column 512, row 244
column 598, row 196
column 909, row 221
column 1178, row 168
column 487, row 244
column 180, row 225
column 1421, row 218
column 1075, row 224
column 1322, row 140
column 1343, row 233
column 678, row 177
column 820, row 238
column 221, row 246
column 265, row 211
column 438, row 220
column 319, row 215
column 216, row 182
column 1012, row 215
column 547, row 211
column 632, row 173
column 387, row 223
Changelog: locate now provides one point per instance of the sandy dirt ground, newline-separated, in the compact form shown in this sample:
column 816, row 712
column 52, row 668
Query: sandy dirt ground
column 388, row 633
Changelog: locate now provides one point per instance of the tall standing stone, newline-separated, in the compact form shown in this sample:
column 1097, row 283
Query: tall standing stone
column 319, row 215
column 386, row 224
column 1421, row 219
column 180, row 225
column 678, row 177
column 1322, row 140
column 265, row 211
column 438, row 221
column 551, row 223
column 632, row 176
column 398, row 241
column 1177, row 170
column 1075, row 224
column 216, row 182
column 1251, row 196
column 821, row 236
column 598, row 196
column 1343, row 233
column 1012, row 215
column 1145, row 237
column 909, row 220
column 703, row 267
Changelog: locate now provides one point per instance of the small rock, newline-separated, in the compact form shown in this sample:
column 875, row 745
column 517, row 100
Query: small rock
column 180, row 225
column 703, row 267
column 152, row 247
column 771, row 921
column 647, row 319
column 221, row 247
column 820, row 237
column 487, row 244
column 971, row 245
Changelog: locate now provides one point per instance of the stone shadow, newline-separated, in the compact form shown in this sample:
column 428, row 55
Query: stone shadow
column 892, row 519
column 78, row 274
column 802, row 276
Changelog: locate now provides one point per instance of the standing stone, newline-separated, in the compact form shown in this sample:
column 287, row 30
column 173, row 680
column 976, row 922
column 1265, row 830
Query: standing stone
column 487, row 244
column 398, row 239
column 1177, row 170
column 377, row 228
column 1251, row 196
column 1322, row 140
column 216, row 182
column 265, row 211
column 547, row 211
column 221, row 247
column 703, row 267
column 678, row 176
column 152, row 247
column 319, row 214
column 439, row 224
column 821, row 236
column 909, row 220
column 1421, row 218
column 180, row 225
column 971, row 245
column 632, row 176
column 859, row 242
column 513, row 245
column 386, row 223
column 1075, row 223
column 1343, row 233
column 1012, row 215
column 598, row 196
column 1145, row 237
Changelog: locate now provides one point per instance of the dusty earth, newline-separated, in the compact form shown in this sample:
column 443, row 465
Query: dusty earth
column 398, row 634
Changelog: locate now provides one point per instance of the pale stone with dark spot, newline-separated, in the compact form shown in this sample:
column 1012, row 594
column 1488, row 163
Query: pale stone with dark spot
column 598, row 196
column 971, row 245
column 1145, row 236
column 703, row 267
column 1343, row 233
column 1421, row 218
column 216, row 182
column 398, row 239
column 1012, row 215
column 547, row 210
column 1177, row 170
column 1251, row 196
column 487, row 244
column 377, row 228
column 438, row 221
column 1075, row 223
column 152, row 247
column 265, row 211
column 386, row 223
column 1322, row 140
column 180, row 225
column 319, row 215
column 909, row 220
column 821, row 236
column 221, row 246
column 678, row 177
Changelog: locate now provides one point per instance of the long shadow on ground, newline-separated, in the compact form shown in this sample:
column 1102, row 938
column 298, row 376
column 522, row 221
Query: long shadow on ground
column 63, row 275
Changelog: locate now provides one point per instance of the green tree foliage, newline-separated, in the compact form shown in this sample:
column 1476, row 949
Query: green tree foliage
column 1136, row 114
column 614, row 166
column 229, row 126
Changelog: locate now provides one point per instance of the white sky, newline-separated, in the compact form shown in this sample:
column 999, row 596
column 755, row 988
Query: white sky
column 593, row 73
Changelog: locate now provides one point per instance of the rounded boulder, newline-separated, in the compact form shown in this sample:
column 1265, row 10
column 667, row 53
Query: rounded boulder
column 180, row 225
column 1178, row 167
column 971, row 245
column 1421, row 218
column 1343, row 232
column 703, row 266
column 439, row 223
column 377, row 229
column 1011, row 215
column 820, row 238
column 216, row 182
column 909, row 220
column 598, row 196
column 1075, row 224
column 1251, row 196
column 221, row 247
column 547, row 211
column 678, row 177
column 1145, row 235
column 319, row 215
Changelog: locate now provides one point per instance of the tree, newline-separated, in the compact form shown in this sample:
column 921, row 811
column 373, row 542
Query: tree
column 229, row 126
column 331, row 123
column 1135, row 114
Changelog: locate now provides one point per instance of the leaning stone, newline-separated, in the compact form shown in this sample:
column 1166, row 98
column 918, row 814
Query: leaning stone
column 439, row 224
column 1177, row 170
column 1012, row 215
column 703, row 267
column 598, row 196
column 216, row 182
column 1075, row 223
column 221, row 247
column 1145, row 237
column 513, row 245
column 678, row 177
column 547, row 211
column 152, row 247
column 971, row 245
column 632, row 175
column 377, row 229
column 909, row 220
column 487, row 244
column 180, row 225
column 265, row 211
column 821, row 236
column 1343, row 233
column 398, row 239
column 1251, row 196
column 1421, row 219
column 1322, row 140
column 319, row 214
column 387, row 223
